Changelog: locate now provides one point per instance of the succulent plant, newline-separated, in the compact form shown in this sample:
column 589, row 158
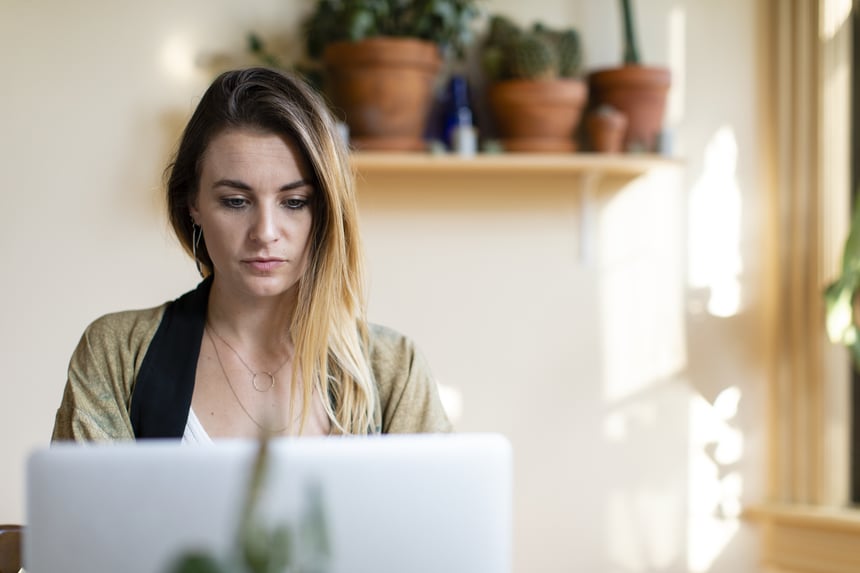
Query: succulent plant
column 510, row 52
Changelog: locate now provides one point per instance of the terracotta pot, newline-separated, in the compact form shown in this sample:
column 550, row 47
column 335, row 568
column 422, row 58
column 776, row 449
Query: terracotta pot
column 639, row 92
column 538, row 115
column 606, row 130
column 384, row 89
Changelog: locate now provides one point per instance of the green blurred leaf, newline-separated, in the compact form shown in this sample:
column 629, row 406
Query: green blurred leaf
column 197, row 563
column 841, row 324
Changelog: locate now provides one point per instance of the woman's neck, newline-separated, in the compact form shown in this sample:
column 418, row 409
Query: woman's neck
column 255, row 322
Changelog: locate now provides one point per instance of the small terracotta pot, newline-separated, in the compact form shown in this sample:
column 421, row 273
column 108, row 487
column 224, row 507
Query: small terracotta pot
column 538, row 115
column 639, row 92
column 384, row 89
column 606, row 129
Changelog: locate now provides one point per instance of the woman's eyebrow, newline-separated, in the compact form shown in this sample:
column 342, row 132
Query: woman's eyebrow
column 232, row 183
column 241, row 185
column 296, row 185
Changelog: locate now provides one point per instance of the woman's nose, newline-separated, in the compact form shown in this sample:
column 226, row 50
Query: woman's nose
column 264, row 228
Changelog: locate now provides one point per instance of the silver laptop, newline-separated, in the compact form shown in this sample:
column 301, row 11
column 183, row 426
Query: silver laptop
column 387, row 504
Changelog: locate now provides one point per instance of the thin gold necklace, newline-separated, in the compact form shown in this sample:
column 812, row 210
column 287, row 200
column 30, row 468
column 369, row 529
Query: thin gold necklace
column 253, row 373
column 263, row 427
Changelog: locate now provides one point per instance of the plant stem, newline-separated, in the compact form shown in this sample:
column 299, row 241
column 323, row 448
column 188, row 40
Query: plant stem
column 631, row 49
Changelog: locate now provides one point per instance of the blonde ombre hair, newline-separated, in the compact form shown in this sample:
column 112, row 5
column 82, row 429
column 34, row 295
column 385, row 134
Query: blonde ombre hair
column 329, row 326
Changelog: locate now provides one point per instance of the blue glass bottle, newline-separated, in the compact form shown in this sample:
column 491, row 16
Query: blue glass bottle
column 458, row 119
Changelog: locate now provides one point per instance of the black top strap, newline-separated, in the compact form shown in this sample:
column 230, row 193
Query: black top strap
column 161, row 397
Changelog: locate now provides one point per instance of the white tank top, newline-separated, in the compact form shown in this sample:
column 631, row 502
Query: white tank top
column 194, row 433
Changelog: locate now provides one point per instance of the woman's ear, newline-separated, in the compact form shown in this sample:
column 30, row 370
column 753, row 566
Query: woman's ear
column 194, row 212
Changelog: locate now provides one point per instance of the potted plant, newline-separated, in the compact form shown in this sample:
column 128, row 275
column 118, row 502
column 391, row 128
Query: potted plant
column 638, row 91
column 534, row 92
column 380, row 60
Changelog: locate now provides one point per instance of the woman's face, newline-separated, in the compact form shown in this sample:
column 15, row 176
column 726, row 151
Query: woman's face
column 254, row 206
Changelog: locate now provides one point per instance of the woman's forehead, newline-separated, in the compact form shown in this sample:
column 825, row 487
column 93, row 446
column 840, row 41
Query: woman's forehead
column 248, row 149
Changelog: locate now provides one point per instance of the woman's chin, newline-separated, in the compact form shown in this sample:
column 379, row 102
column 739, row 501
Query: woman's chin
column 263, row 286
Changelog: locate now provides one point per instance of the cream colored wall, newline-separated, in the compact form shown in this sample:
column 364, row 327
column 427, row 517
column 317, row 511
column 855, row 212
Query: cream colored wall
column 633, row 409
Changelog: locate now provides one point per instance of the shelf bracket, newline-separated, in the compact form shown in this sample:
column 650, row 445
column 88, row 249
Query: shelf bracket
column 588, row 183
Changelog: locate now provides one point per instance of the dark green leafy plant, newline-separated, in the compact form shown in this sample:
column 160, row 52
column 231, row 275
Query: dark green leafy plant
column 257, row 46
column 443, row 22
column 510, row 52
column 447, row 23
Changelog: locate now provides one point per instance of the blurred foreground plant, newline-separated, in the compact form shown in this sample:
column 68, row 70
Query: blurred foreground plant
column 281, row 549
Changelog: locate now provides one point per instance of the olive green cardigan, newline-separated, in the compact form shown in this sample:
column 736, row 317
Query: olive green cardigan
column 105, row 367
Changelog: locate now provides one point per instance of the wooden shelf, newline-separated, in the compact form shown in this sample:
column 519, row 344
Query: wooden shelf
column 509, row 163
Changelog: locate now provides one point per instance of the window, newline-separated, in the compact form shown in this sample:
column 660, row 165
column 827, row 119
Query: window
column 808, row 524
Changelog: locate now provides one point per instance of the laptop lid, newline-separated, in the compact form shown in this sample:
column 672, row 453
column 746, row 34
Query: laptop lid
column 405, row 503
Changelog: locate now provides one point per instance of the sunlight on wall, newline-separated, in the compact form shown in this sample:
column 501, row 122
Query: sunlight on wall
column 643, row 532
column 836, row 14
column 715, row 227
column 715, row 488
column 641, row 318
column 644, row 524
column 677, row 64
column 619, row 424
column 641, row 324
column 452, row 402
column 178, row 58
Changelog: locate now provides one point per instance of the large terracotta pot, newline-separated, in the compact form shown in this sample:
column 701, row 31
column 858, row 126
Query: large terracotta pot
column 639, row 92
column 538, row 115
column 383, row 87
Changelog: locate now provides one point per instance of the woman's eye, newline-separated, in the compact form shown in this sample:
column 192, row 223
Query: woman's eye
column 234, row 202
column 295, row 203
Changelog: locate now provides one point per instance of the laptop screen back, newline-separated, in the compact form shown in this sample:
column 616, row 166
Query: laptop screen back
column 389, row 504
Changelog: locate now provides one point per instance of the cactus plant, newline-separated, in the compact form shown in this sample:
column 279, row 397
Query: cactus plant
column 567, row 46
column 532, row 57
column 510, row 52
column 534, row 94
column 631, row 46
column 637, row 90
column 501, row 31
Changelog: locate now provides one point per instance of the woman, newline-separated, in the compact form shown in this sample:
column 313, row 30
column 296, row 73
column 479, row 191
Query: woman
column 274, row 338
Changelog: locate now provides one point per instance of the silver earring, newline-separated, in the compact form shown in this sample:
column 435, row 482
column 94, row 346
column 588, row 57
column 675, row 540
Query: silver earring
column 196, row 234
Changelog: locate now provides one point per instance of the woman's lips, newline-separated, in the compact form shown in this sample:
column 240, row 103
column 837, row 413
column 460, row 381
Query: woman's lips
column 264, row 265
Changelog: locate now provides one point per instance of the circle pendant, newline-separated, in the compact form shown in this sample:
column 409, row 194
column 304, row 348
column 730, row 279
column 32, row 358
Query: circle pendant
column 267, row 388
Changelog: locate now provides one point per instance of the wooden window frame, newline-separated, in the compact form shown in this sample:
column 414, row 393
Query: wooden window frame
column 807, row 523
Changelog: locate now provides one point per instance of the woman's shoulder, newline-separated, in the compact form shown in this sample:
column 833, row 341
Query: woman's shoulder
column 146, row 320
column 387, row 344
column 408, row 393
column 126, row 323
column 382, row 334
column 126, row 320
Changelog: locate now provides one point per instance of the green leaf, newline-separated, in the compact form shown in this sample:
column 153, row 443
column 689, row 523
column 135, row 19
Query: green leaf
column 197, row 563
column 839, row 295
column 279, row 548
column 361, row 25
column 838, row 300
